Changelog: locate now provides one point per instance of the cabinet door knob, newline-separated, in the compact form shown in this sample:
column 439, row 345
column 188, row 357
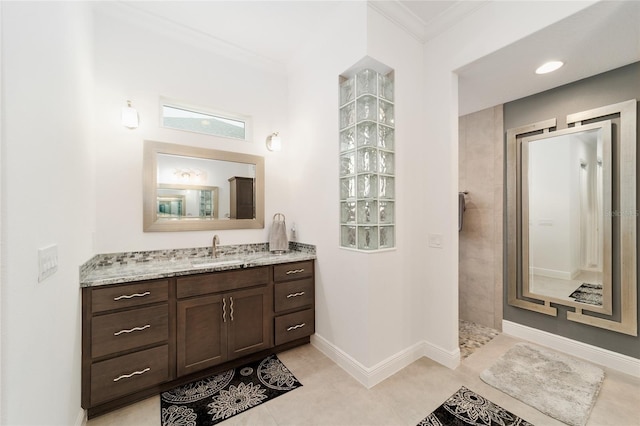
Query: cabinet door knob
column 131, row 296
column 290, row 295
column 294, row 271
column 144, row 327
column 231, row 313
column 135, row 373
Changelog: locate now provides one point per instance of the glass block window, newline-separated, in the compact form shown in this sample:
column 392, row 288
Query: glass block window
column 199, row 120
column 367, row 161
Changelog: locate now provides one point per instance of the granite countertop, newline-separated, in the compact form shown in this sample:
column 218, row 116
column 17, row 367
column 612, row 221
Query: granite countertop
column 116, row 268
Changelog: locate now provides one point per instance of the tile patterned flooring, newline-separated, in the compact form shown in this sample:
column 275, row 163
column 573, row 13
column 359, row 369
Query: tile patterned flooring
column 472, row 336
column 330, row 396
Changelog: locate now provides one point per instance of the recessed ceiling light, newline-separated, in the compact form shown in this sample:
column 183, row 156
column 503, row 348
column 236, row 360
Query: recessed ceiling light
column 549, row 67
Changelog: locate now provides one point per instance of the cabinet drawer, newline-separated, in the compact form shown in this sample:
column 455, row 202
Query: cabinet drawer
column 294, row 326
column 129, row 373
column 121, row 331
column 291, row 271
column 130, row 295
column 293, row 294
column 217, row 282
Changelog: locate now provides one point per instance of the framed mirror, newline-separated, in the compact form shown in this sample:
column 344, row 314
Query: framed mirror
column 195, row 189
column 566, row 220
column 571, row 217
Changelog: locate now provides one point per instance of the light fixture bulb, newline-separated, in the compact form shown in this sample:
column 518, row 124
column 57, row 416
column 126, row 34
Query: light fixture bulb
column 129, row 116
column 549, row 67
column 274, row 142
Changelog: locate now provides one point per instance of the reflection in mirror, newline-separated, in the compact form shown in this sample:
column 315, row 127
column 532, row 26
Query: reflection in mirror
column 176, row 201
column 566, row 221
column 188, row 188
column 186, row 172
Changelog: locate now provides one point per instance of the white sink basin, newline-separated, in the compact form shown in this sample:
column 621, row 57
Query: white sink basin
column 212, row 263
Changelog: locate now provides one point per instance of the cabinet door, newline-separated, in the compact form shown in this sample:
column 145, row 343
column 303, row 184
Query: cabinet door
column 242, row 198
column 202, row 333
column 249, row 325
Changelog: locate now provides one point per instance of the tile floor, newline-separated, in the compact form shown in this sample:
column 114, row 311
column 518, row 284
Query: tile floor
column 472, row 336
column 330, row 396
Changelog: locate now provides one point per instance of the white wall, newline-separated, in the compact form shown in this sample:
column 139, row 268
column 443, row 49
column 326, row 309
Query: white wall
column 375, row 306
column 47, row 198
column 341, row 280
column 369, row 304
column 56, row 123
column 140, row 62
column 489, row 28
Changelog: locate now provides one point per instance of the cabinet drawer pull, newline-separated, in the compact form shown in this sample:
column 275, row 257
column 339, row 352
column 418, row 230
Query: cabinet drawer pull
column 130, row 296
column 231, row 313
column 295, row 271
column 295, row 327
column 144, row 327
column 135, row 373
column 295, row 294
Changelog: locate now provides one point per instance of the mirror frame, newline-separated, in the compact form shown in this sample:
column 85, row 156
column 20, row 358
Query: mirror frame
column 624, row 319
column 523, row 172
column 151, row 223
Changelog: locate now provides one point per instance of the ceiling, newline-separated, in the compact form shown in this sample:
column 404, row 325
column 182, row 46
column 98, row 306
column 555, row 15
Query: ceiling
column 602, row 37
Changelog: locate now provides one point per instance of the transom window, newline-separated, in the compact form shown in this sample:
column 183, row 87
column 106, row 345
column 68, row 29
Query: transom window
column 201, row 120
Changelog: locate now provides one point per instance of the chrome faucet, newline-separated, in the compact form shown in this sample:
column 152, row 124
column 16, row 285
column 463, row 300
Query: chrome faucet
column 214, row 248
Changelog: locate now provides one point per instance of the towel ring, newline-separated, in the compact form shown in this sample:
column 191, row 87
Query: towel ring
column 277, row 215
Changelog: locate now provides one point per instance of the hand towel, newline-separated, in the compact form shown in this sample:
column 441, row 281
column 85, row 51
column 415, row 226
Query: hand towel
column 278, row 234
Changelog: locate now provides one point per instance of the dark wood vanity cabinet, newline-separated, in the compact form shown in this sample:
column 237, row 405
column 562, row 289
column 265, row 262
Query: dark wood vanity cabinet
column 294, row 316
column 216, row 326
column 127, row 340
column 139, row 339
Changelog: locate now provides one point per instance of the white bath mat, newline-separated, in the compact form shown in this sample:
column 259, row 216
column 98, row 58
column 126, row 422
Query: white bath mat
column 559, row 386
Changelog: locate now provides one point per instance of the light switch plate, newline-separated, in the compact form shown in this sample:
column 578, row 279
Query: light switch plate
column 47, row 261
column 435, row 240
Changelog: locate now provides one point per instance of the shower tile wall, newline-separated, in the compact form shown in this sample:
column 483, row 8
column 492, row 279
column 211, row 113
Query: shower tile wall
column 480, row 162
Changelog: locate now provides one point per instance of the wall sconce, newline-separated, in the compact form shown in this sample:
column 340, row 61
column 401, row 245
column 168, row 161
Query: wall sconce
column 129, row 116
column 274, row 142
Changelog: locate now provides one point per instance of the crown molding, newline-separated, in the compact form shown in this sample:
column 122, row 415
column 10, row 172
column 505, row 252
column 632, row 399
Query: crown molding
column 423, row 31
column 451, row 16
column 128, row 12
column 399, row 14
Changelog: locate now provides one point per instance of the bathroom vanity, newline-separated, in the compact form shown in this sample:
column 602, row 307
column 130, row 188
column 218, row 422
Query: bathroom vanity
column 149, row 325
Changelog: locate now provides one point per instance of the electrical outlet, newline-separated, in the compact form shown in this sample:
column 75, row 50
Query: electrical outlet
column 47, row 261
column 435, row 240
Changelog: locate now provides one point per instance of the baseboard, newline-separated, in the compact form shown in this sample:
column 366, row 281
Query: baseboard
column 81, row 418
column 552, row 273
column 619, row 362
column 371, row 376
column 448, row 359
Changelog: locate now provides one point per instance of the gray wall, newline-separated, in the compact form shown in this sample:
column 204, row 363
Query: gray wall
column 480, row 162
column 611, row 87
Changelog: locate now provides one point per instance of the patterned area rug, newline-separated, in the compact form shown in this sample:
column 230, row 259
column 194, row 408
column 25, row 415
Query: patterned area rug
column 214, row 399
column 466, row 407
column 555, row 384
column 588, row 293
